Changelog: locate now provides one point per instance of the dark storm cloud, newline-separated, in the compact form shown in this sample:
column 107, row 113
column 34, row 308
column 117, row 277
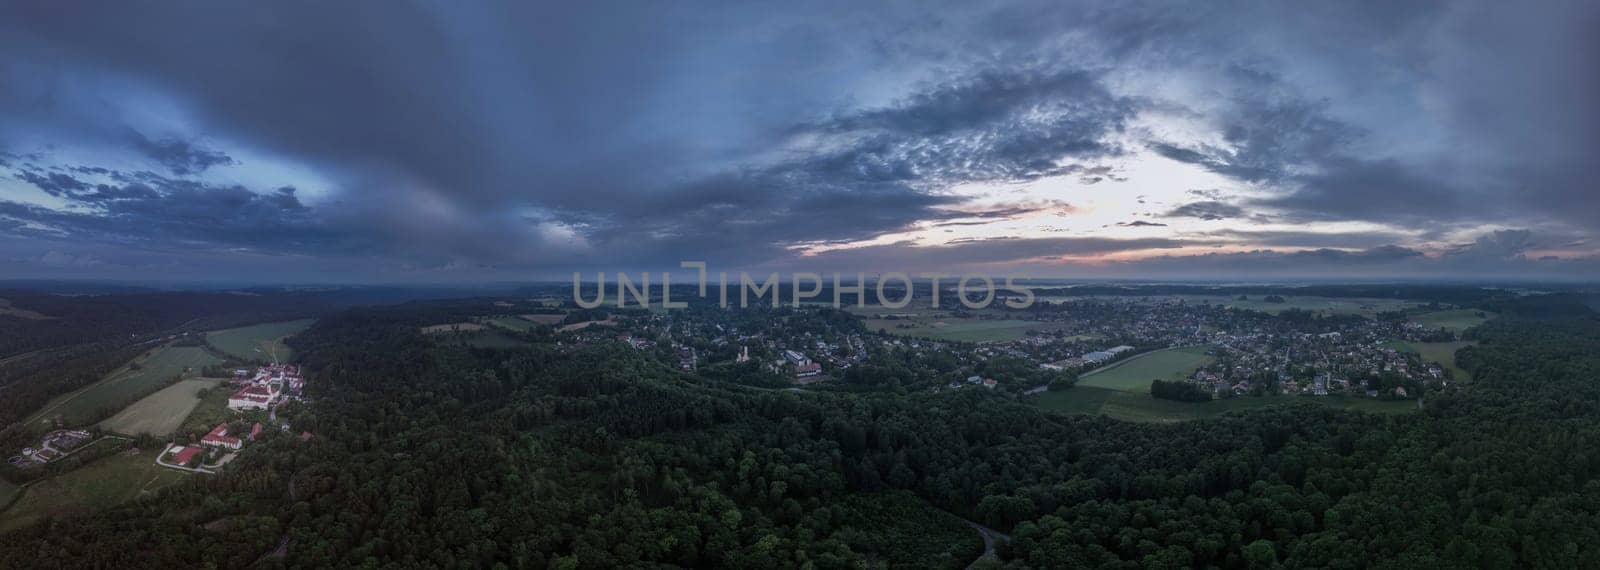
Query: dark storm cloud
column 999, row 125
column 968, row 254
column 870, row 180
column 1305, row 239
column 179, row 156
column 150, row 210
column 520, row 136
column 1206, row 210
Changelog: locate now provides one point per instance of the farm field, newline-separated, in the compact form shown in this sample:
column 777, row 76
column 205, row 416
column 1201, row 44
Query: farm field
column 160, row 413
column 263, row 342
column 1454, row 320
column 1327, row 305
column 512, row 323
column 103, row 483
column 1136, row 407
column 148, row 370
column 955, row 329
column 1442, row 352
column 1135, row 373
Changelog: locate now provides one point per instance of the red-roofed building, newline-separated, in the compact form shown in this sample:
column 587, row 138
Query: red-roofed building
column 252, row 398
column 219, row 438
column 185, row 455
column 255, row 431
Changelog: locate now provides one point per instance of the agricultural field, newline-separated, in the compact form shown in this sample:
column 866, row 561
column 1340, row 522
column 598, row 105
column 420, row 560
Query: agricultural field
column 543, row 319
column 1134, row 374
column 1443, row 353
column 263, row 342
column 610, row 321
column 103, row 483
column 147, row 371
column 524, row 323
column 1326, row 305
column 511, row 323
column 1454, row 320
column 160, row 413
column 1139, row 407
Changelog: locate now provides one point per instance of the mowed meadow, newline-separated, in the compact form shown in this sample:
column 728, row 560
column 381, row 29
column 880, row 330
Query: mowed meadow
column 147, row 372
column 263, row 342
column 105, row 482
column 1121, row 390
column 160, row 413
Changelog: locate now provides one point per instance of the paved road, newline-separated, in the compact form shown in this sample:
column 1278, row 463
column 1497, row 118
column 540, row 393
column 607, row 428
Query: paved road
column 990, row 538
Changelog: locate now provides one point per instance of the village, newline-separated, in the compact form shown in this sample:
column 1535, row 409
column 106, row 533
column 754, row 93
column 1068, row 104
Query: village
column 1242, row 352
column 266, row 389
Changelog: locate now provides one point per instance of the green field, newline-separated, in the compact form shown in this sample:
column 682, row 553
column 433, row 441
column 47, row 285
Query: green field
column 518, row 324
column 147, row 371
column 263, row 342
column 1455, row 320
column 1135, row 373
column 103, row 483
column 1328, row 305
column 211, row 408
column 1443, row 353
column 160, row 413
column 1137, row 407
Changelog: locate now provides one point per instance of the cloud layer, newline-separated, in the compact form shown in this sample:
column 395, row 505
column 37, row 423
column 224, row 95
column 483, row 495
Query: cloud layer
column 316, row 141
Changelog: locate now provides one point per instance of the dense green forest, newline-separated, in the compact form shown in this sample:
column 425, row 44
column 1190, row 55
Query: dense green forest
column 438, row 454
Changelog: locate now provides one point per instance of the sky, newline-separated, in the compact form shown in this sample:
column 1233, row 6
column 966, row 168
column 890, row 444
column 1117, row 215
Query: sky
column 485, row 141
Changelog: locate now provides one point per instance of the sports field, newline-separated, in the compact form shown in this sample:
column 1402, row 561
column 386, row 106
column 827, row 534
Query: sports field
column 1140, row 407
column 1135, row 373
column 1454, row 320
column 147, row 371
column 160, row 413
column 263, row 342
column 103, row 483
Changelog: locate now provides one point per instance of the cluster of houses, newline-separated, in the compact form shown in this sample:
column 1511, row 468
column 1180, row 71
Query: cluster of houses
column 1352, row 362
column 269, row 385
column 217, row 438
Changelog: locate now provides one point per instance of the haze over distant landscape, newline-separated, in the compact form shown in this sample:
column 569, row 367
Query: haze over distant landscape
column 336, row 143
